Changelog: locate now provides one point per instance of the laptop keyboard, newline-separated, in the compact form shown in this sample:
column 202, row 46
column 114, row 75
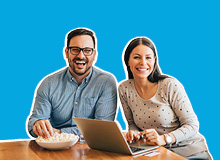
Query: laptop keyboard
column 135, row 149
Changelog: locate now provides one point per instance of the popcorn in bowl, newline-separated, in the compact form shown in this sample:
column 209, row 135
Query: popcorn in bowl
column 57, row 141
column 63, row 137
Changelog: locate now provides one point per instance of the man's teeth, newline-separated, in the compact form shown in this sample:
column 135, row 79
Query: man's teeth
column 80, row 62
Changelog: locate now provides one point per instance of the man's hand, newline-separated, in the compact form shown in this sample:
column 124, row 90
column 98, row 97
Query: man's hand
column 43, row 128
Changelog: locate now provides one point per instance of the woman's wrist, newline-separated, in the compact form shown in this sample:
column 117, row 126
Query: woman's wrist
column 169, row 139
column 173, row 138
column 163, row 140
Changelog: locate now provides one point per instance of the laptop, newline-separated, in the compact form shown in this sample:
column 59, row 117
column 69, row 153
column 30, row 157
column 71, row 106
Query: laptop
column 107, row 136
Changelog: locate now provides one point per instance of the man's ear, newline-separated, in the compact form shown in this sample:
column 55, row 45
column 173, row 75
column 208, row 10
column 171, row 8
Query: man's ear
column 95, row 51
column 66, row 52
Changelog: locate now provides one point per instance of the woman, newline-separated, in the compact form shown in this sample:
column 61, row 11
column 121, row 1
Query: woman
column 156, row 106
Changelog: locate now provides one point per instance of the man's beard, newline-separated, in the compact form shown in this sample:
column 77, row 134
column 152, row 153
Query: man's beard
column 79, row 73
column 71, row 65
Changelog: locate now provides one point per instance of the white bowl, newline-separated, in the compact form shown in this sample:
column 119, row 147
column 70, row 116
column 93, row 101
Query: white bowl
column 57, row 145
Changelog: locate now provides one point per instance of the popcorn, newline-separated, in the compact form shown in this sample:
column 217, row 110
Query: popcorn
column 63, row 137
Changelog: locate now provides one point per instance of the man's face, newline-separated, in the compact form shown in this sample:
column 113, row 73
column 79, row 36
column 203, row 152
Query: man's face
column 80, row 65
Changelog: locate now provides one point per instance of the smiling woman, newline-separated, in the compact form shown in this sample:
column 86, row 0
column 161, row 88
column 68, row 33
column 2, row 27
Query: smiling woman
column 156, row 106
column 141, row 61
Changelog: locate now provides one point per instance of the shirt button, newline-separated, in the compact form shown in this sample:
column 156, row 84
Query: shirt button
column 76, row 102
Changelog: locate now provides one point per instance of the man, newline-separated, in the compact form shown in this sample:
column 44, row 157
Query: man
column 79, row 90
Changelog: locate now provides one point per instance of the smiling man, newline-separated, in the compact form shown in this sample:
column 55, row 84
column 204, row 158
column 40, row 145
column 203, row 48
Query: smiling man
column 78, row 90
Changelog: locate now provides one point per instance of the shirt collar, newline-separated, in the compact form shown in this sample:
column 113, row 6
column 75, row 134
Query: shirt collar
column 86, row 79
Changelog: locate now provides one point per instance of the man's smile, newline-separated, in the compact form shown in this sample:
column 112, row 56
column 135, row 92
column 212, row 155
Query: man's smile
column 80, row 63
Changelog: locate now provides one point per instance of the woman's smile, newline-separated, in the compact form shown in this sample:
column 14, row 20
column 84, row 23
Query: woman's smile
column 141, row 61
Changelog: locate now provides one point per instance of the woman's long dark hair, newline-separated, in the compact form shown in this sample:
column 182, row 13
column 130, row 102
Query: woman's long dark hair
column 156, row 73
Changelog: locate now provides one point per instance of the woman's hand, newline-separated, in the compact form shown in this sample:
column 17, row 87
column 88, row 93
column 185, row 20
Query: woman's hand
column 132, row 136
column 153, row 138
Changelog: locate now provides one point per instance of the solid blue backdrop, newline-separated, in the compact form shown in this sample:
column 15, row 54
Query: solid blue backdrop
column 32, row 39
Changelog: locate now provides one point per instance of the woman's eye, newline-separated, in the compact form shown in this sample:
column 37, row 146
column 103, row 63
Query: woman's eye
column 136, row 57
column 148, row 57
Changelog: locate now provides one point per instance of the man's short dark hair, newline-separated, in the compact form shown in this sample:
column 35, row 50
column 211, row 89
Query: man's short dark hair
column 81, row 31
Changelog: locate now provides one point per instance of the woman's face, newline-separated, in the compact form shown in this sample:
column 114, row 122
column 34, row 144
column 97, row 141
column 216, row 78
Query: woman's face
column 141, row 61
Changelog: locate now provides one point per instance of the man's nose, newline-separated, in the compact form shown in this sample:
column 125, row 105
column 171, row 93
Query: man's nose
column 81, row 55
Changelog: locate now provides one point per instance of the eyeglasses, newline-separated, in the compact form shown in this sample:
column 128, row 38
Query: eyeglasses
column 86, row 51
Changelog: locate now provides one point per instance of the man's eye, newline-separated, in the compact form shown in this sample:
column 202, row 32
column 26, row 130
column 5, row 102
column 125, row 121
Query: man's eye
column 87, row 50
column 75, row 50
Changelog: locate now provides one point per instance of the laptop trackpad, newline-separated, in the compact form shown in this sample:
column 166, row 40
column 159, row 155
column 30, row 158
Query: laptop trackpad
column 140, row 146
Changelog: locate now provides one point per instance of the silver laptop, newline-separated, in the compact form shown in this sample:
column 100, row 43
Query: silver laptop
column 107, row 136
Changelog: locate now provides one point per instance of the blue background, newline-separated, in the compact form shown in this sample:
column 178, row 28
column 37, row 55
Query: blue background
column 32, row 39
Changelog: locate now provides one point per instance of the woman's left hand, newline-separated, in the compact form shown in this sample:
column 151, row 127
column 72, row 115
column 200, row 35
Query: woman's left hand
column 152, row 137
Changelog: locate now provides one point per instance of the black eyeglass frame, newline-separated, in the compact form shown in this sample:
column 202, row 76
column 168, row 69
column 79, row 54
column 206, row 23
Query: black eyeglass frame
column 81, row 49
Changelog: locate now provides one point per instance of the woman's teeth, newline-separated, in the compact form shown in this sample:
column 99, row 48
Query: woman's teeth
column 140, row 69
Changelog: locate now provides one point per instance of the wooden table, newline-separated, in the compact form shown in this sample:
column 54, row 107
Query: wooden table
column 30, row 150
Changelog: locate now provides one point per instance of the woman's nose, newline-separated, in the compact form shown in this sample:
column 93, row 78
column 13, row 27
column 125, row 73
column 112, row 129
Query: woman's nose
column 143, row 61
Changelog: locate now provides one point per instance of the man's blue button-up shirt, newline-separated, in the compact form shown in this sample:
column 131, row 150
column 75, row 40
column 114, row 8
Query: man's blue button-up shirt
column 59, row 98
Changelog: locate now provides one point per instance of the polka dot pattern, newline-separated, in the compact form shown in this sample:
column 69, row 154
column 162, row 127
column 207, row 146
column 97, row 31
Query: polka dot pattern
column 166, row 111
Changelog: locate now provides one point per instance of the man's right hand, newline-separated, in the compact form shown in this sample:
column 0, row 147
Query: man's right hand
column 43, row 128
